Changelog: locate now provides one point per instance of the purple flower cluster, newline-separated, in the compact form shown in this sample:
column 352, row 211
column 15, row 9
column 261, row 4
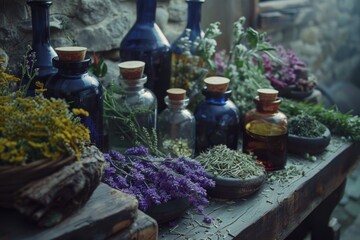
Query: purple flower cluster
column 157, row 180
column 288, row 73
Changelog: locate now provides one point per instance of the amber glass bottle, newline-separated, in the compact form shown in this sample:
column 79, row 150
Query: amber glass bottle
column 266, row 130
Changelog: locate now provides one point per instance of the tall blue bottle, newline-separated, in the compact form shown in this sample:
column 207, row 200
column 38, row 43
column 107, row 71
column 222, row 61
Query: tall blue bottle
column 178, row 79
column 41, row 42
column 193, row 23
column 146, row 42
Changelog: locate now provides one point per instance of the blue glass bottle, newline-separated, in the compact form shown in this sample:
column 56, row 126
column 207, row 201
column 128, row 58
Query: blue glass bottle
column 41, row 42
column 181, row 76
column 217, row 121
column 146, row 42
column 193, row 23
column 80, row 89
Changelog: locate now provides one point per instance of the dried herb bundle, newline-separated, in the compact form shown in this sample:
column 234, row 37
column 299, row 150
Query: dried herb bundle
column 222, row 161
column 305, row 126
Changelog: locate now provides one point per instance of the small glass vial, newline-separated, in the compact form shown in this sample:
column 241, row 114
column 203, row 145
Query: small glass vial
column 80, row 89
column 134, row 101
column 266, row 131
column 217, row 117
column 176, row 128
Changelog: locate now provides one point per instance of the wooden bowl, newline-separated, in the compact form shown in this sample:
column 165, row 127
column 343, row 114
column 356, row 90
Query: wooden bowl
column 71, row 54
column 168, row 211
column 232, row 188
column 301, row 145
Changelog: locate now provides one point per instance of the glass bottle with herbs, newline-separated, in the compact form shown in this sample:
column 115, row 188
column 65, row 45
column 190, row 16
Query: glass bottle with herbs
column 146, row 42
column 176, row 128
column 266, row 130
column 135, row 102
column 217, row 117
column 180, row 58
column 80, row 89
column 44, row 52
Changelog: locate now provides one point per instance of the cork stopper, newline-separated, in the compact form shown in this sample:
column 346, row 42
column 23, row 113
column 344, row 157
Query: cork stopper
column 71, row 54
column 176, row 93
column 217, row 84
column 266, row 94
column 131, row 70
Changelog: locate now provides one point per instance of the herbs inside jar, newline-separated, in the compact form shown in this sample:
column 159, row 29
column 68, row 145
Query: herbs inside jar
column 225, row 162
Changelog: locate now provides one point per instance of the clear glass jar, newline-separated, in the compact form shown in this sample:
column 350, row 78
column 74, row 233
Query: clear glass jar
column 176, row 128
column 146, row 42
column 80, row 89
column 44, row 52
column 266, row 131
column 133, row 100
column 217, row 121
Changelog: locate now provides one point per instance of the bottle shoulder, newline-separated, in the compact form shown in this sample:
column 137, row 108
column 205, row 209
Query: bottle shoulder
column 144, row 36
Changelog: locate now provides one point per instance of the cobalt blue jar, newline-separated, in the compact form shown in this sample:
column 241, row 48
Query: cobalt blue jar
column 217, row 120
column 146, row 42
column 44, row 52
column 80, row 89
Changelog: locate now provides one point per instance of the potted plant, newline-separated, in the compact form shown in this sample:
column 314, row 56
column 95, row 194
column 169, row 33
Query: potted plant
column 290, row 76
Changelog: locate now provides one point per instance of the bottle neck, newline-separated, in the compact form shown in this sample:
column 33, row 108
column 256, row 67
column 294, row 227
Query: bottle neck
column 146, row 10
column 133, row 85
column 267, row 106
column 176, row 105
column 194, row 15
column 71, row 68
column 40, row 22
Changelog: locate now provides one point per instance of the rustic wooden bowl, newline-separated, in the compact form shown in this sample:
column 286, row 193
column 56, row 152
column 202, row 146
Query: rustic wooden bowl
column 168, row 211
column 301, row 145
column 231, row 188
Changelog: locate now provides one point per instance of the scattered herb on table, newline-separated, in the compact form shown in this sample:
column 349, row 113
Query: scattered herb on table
column 153, row 180
column 305, row 126
column 225, row 162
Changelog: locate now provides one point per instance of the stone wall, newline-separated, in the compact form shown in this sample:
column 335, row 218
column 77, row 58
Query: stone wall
column 329, row 43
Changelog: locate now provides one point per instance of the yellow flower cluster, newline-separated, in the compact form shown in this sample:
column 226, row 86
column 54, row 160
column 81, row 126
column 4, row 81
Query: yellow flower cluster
column 34, row 128
column 6, row 82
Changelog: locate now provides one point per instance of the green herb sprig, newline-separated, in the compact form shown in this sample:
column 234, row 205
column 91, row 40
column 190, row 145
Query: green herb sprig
column 137, row 135
column 225, row 162
column 345, row 125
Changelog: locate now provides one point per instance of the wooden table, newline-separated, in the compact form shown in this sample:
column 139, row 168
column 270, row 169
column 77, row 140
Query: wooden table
column 292, row 202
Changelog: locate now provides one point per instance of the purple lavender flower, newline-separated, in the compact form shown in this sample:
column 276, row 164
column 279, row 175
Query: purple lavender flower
column 137, row 151
column 157, row 180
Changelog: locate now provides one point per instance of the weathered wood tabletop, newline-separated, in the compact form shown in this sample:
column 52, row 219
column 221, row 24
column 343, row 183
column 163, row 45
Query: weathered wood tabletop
column 288, row 197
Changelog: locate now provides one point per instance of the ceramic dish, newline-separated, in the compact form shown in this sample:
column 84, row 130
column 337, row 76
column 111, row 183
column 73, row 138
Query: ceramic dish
column 301, row 145
column 232, row 188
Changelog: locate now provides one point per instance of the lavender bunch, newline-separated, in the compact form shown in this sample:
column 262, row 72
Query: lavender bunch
column 291, row 71
column 154, row 180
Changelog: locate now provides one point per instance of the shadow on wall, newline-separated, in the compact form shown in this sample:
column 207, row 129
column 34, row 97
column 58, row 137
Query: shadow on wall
column 346, row 96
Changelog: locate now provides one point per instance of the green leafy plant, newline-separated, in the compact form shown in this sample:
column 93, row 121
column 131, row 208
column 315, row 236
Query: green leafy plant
column 126, row 120
column 340, row 124
column 244, row 64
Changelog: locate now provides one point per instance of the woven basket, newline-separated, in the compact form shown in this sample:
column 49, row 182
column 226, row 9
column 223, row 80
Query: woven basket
column 13, row 178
